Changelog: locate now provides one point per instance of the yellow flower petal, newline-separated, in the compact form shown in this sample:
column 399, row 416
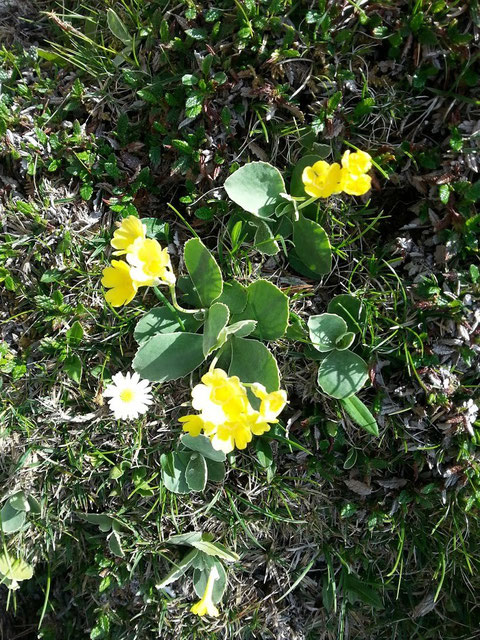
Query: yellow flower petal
column 356, row 185
column 118, row 279
column 192, row 424
column 272, row 403
column 259, row 428
column 357, row 163
column 322, row 179
column 129, row 230
column 150, row 262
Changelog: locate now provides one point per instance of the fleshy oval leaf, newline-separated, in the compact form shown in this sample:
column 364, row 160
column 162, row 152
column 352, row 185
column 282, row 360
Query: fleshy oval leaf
column 168, row 356
column 204, row 271
column 342, row 374
column 256, row 187
column 325, row 330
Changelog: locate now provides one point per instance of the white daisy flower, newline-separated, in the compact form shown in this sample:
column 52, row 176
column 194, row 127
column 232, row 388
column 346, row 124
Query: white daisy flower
column 129, row 396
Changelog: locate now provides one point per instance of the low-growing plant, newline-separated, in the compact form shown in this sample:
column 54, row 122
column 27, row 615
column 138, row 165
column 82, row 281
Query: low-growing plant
column 209, row 575
column 226, row 324
column 259, row 189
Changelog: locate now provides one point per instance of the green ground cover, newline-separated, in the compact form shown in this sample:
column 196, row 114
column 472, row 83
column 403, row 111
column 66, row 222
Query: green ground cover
column 112, row 109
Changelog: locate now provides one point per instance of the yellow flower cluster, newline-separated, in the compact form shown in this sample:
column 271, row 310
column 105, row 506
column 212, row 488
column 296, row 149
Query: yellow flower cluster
column 225, row 413
column 147, row 264
column 323, row 180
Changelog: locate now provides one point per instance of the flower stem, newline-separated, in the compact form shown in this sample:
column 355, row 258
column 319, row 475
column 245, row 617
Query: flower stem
column 177, row 306
column 307, row 202
column 169, row 305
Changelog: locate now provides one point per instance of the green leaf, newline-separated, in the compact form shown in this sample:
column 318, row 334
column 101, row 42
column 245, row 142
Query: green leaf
column 356, row 589
column 363, row 108
column 215, row 549
column 213, row 332
column 220, row 77
column 325, row 330
column 117, row 27
column 19, row 501
column 75, row 333
column 297, row 329
column 350, row 309
column 48, row 55
column 35, row 506
column 360, row 414
column 197, row 34
column 189, row 79
column 179, row 569
column 196, row 472
column 333, row 102
column 242, row 328
column 86, row 191
column 72, row 366
column 444, row 193
column 185, row 538
column 268, row 306
column 193, row 104
column 342, row 374
column 114, row 545
column 169, row 356
column 264, row 241
column 15, row 568
column 103, row 522
column 202, row 445
column 157, row 229
column 204, row 271
column 189, row 293
column 264, row 452
column 345, row 341
column 253, row 362
column 11, row 519
column 174, row 466
column 234, row 295
column 256, row 187
column 163, row 320
column 200, row 578
column 216, row 471
column 312, row 246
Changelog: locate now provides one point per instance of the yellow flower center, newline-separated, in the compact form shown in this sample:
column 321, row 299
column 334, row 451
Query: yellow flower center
column 127, row 395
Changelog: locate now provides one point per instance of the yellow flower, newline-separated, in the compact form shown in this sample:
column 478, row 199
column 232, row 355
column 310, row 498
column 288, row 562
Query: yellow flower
column 272, row 404
column 192, row 424
column 229, row 435
column 118, row 279
column 355, row 180
column 205, row 606
column 322, row 179
column 129, row 230
column 356, row 185
column 150, row 263
column 357, row 163
column 226, row 415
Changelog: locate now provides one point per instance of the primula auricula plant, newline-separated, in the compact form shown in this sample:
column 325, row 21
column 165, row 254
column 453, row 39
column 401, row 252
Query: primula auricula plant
column 227, row 325
column 274, row 214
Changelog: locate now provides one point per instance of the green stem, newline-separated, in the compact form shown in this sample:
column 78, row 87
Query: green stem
column 307, row 202
column 169, row 305
column 177, row 306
